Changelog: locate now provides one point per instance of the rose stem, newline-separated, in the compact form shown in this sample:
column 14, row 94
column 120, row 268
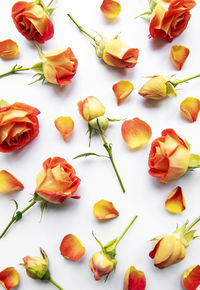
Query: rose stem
column 125, row 231
column 14, row 70
column 185, row 80
column 55, row 284
column 83, row 30
column 16, row 217
column 192, row 224
column 50, row 3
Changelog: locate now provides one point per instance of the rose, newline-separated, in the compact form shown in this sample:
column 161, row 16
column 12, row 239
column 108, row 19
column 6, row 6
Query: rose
column 169, row 157
column 155, row 88
column 18, row 126
column 167, row 250
column 90, row 108
column 101, row 265
column 118, row 54
column 60, row 66
column 57, row 181
column 32, row 21
column 170, row 18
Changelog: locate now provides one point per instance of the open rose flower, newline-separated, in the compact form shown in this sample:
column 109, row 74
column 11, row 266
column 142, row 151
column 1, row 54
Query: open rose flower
column 57, row 181
column 169, row 157
column 171, row 249
column 170, row 18
column 18, row 126
column 32, row 21
column 60, row 66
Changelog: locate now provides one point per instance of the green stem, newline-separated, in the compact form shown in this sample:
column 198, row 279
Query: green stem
column 83, row 30
column 109, row 150
column 55, row 284
column 142, row 14
column 50, row 3
column 192, row 224
column 15, row 218
column 97, row 240
column 125, row 231
column 185, row 80
column 14, row 70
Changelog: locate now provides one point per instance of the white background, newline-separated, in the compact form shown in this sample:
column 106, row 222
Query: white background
column 145, row 195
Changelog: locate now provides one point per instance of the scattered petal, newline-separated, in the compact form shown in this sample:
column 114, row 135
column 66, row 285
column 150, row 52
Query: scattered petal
column 8, row 49
column 9, row 278
column 190, row 108
column 111, row 9
column 178, row 55
column 135, row 133
column 134, row 279
column 175, row 202
column 104, row 210
column 65, row 126
column 122, row 90
column 71, row 248
column 191, row 278
column 8, row 182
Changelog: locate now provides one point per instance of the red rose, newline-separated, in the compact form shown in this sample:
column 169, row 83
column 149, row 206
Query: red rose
column 170, row 18
column 32, row 21
column 18, row 126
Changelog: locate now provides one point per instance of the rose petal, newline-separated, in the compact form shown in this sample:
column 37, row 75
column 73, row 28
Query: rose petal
column 65, row 126
column 134, row 279
column 8, row 49
column 122, row 90
column 104, row 210
column 190, row 108
column 111, row 9
column 175, row 202
column 136, row 133
column 71, row 248
column 191, row 278
column 9, row 278
column 178, row 55
column 8, row 182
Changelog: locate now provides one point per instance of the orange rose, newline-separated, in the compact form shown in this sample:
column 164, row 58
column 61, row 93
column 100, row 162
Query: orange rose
column 32, row 21
column 18, row 126
column 170, row 18
column 169, row 157
column 57, row 181
column 60, row 66
column 118, row 54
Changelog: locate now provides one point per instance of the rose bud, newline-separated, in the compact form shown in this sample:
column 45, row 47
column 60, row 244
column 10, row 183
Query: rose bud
column 37, row 268
column 114, row 52
column 9, row 278
column 103, row 263
column 8, row 49
column 191, row 278
column 171, row 249
column 90, row 108
column 60, row 66
column 57, row 181
column 18, row 125
column 32, row 20
column 134, row 279
column 169, row 157
column 169, row 18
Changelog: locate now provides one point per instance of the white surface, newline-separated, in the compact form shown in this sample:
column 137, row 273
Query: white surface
column 144, row 196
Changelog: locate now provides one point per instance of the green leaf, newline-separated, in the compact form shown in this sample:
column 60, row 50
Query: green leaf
column 43, row 205
column 41, row 78
column 171, row 92
column 116, row 120
column 38, row 67
column 3, row 103
column 111, row 243
column 194, row 160
column 40, row 52
column 89, row 154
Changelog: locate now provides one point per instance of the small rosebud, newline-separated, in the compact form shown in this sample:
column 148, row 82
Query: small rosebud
column 155, row 88
column 101, row 265
column 36, row 268
column 90, row 108
column 102, row 122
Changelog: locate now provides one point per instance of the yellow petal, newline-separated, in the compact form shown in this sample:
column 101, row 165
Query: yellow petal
column 175, row 202
column 8, row 49
column 122, row 90
column 190, row 108
column 178, row 55
column 8, row 182
column 136, row 133
column 111, row 9
column 65, row 126
column 71, row 248
column 104, row 210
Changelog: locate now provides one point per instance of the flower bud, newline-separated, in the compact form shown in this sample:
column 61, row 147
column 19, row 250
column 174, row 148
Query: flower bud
column 37, row 268
column 103, row 123
column 91, row 108
column 101, row 265
column 155, row 88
